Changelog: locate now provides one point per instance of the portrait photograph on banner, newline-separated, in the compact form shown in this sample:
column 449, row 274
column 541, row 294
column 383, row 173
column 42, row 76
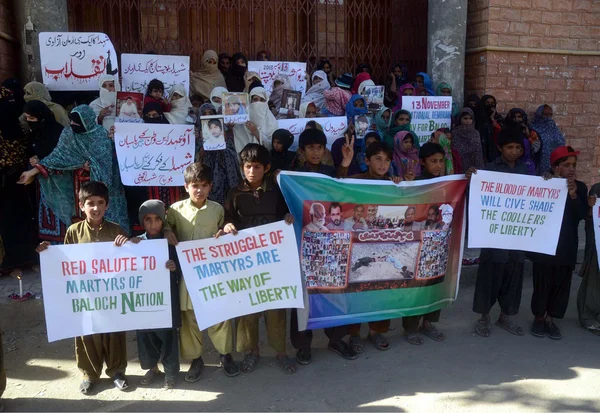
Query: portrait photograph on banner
column 129, row 107
column 235, row 107
column 213, row 133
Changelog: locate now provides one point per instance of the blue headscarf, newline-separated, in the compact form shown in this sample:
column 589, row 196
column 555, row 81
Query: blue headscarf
column 550, row 135
column 351, row 111
column 427, row 83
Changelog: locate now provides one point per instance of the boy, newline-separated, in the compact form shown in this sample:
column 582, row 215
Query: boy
column 94, row 350
column 378, row 159
column 155, row 93
column 258, row 201
column 154, row 345
column 198, row 218
column 313, row 142
column 552, row 274
column 500, row 274
column 281, row 157
column 431, row 157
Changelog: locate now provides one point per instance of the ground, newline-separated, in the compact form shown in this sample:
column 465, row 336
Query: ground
column 503, row 373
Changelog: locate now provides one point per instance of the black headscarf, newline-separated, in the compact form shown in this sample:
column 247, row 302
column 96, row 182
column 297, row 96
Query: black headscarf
column 485, row 127
column 45, row 132
column 282, row 160
column 14, row 85
column 154, row 106
column 235, row 78
column 10, row 127
column 360, row 68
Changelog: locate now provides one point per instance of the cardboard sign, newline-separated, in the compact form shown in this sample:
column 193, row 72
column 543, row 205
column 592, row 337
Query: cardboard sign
column 139, row 69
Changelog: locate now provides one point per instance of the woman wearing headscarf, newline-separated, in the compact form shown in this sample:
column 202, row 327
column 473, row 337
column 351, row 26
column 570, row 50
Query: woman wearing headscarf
column 517, row 120
column 473, row 102
column 383, row 121
column 406, row 154
column 84, row 143
column 263, row 55
column 280, row 83
column 44, row 136
column 153, row 113
column 223, row 163
column 443, row 137
column 398, row 77
column 203, row 81
column 282, row 159
column 337, row 97
column 315, row 93
column 444, row 89
column 16, row 209
column 363, row 68
column 261, row 125
column 180, row 106
column 423, row 80
column 467, row 142
column 235, row 79
column 216, row 98
column 549, row 134
column 14, row 85
column 358, row 80
column 405, row 90
column 250, row 78
column 489, row 123
column 37, row 91
column 326, row 66
column 400, row 122
column 105, row 107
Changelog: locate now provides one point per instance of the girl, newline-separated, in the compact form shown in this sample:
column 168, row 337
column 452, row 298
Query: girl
column 467, row 142
column 401, row 122
column 406, row 155
column 551, row 137
column 155, row 93
column 405, row 90
column 338, row 96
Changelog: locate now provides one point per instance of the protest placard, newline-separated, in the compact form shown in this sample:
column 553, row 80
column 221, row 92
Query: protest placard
column 515, row 212
column 429, row 113
column 154, row 154
column 374, row 97
column 129, row 107
column 76, row 61
column 254, row 271
column 267, row 71
column 333, row 127
column 375, row 250
column 235, row 107
column 100, row 288
column 213, row 133
column 139, row 69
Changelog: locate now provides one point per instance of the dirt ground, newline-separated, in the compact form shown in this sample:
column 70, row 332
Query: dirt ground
column 467, row 373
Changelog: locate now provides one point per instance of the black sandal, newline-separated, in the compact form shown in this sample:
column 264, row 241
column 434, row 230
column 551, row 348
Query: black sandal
column 379, row 341
column 356, row 344
column 287, row 364
column 343, row 349
column 249, row 363
column 304, row 356
column 230, row 368
column 482, row 328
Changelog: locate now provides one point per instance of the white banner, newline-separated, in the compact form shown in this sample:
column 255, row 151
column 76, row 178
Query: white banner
column 267, row 71
column 515, row 212
column 256, row 270
column 139, row 69
column 154, row 154
column 100, row 288
column 76, row 61
column 429, row 113
column 334, row 128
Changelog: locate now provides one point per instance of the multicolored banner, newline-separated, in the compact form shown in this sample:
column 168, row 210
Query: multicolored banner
column 375, row 250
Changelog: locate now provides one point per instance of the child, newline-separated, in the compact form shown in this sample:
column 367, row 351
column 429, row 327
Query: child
column 431, row 156
column 94, row 350
column 500, row 274
column 155, row 93
column 406, row 155
column 198, row 218
column 281, row 157
column 160, row 344
column 552, row 274
column 258, row 201
column 312, row 142
column 378, row 159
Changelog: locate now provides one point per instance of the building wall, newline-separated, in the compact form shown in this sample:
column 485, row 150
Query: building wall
column 8, row 48
column 502, row 39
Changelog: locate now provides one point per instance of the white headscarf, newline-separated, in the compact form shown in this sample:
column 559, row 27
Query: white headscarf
column 361, row 87
column 304, row 108
column 106, row 99
column 179, row 107
column 217, row 92
column 315, row 93
column 262, row 117
column 277, row 93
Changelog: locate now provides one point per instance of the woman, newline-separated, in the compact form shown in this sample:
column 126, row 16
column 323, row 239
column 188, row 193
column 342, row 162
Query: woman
column 37, row 91
column 44, row 136
column 223, row 163
column 325, row 66
column 235, row 78
column 105, row 107
column 398, row 77
column 250, row 80
column 216, row 98
column 203, row 81
column 467, row 142
column 224, row 64
column 360, row 77
column 315, row 93
column 401, row 122
column 153, row 113
column 517, row 120
column 180, row 106
column 85, row 143
column 489, row 123
column 16, row 210
column 405, row 90
column 444, row 89
column 423, row 80
column 308, row 110
column 281, row 83
column 549, row 134
column 338, row 96
column 383, row 121
column 261, row 125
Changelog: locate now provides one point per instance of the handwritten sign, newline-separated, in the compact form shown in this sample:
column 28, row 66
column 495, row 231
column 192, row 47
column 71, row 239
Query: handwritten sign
column 515, row 212
column 333, row 127
column 139, row 69
column 232, row 276
column 429, row 113
column 267, row 71
column 99, row 288
column 75, row 61
column 154, row 154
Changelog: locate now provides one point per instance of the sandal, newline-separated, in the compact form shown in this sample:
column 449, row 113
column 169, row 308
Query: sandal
column 415, row 339
column 343, row 349
column 594, row 328
column 356, row 344
column 86, row 387
column 169, row 382
column 379, row 341
column 249, row 363
column 511, row 327
column 120, row 381
column 303, row 356
column 230, row 368
column 433, row 333
column 287, row 364
column 149, row 377
column 482, row 328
